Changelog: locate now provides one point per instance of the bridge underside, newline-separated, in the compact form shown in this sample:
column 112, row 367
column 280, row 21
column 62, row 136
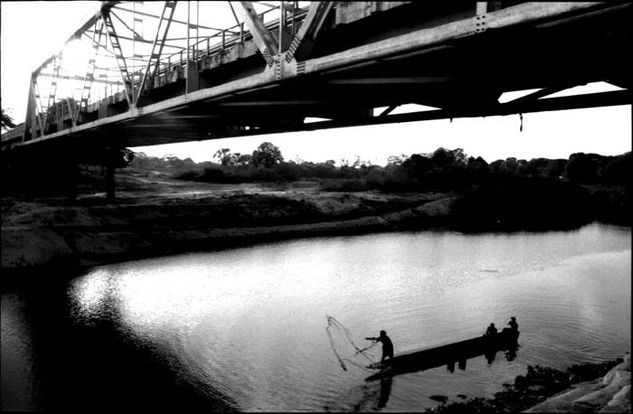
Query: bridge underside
column 460, row 72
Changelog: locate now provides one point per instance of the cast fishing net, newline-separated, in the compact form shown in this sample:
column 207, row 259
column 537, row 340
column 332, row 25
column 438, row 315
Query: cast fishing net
column 346, row 351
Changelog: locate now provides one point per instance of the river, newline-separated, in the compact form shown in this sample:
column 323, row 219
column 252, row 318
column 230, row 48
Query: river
column 245, row 328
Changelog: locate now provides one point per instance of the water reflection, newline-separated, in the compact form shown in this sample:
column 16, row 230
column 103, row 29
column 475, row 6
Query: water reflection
column 490, row 356
column 385, row 391
column 244, row 329
column 375, row 397
column 249, row 322
column 109, row 305
column 19, row 387
column 511, row 353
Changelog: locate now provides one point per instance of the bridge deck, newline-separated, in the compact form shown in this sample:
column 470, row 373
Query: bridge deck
column 459, row 63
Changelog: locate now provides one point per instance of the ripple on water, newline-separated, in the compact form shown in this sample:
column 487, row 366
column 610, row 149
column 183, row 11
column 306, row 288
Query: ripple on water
column 250, row 322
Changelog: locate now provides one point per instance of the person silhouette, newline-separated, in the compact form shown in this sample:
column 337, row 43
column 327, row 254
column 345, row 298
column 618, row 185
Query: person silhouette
column 387, row 345
column 492, row 330
column 513, row 324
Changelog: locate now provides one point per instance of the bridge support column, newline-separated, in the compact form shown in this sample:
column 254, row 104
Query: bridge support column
column 72, row 178
column 110, row 167
column 110, row 184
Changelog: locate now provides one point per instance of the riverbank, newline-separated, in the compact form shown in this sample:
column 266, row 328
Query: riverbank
column 600, row 387
column 155, row 215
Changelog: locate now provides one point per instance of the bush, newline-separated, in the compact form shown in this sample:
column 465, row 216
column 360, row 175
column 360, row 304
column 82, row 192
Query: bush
column 518, row 203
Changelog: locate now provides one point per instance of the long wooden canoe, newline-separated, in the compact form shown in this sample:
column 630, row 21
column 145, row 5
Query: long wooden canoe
column 445, row 354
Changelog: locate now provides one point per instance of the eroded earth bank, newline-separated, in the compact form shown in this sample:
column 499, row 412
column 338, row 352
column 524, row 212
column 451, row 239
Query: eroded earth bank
column 158, row 215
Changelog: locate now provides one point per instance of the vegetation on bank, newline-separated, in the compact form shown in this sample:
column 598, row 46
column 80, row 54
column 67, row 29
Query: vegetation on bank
column 503, row 195
column 6, row 121
column 528, row 390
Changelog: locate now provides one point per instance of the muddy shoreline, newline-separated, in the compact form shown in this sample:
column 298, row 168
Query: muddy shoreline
column 589, row 387
column 156, row 216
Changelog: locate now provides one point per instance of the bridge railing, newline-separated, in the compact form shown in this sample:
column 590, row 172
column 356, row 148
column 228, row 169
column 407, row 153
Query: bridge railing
column 218, row 43
column 45, row 93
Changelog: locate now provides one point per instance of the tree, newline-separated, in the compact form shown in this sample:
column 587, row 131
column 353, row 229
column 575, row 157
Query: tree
column 511, row 165
column 477, row 164
column 223, row 155
column 124, row 158
column 544, row 167
column 266, row 155
column 497, row 166
column 443, row 158
column 582, row 168
column 417, row 166
column 6, row 122
column 396, row 159
column 243, row 159
column 618, row 169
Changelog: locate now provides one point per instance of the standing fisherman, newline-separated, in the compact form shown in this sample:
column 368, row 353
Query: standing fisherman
column 387, row 345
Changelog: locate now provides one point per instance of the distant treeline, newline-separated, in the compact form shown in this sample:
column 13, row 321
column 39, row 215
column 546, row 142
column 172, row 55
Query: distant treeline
column 443, row 169
column 510, row 194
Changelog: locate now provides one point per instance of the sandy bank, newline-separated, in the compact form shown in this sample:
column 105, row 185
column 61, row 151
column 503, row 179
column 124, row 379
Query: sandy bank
column 170, row 217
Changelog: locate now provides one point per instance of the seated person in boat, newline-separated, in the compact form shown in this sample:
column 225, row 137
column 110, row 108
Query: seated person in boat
column 387, row 345
column 492, row 330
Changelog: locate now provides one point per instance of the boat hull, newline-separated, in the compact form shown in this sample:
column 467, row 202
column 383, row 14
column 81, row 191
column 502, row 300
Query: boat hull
column 445, row 354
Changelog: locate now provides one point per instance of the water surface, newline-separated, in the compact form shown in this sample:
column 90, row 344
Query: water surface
column 245, row 328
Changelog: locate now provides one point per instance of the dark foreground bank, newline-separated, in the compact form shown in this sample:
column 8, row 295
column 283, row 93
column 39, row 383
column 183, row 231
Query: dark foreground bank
column 591, row 387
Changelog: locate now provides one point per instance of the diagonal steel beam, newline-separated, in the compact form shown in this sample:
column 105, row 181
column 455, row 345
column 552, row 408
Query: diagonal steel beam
column 540, row 93
column 134, row 33
column 303, row 41
column 120, row 59
column 388, row 110
column 39, row 108
column 53, row 89
column 154, row 57
column 237, row 21
column 87, row 25
column 29, row 122
column 90, row 71
column 265, row 41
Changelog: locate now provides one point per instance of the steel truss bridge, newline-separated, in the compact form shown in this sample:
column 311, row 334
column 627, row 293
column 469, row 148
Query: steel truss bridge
column 145, row 73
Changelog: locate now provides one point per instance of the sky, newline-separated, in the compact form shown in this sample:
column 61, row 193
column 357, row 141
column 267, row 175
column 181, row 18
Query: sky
column 31, row 31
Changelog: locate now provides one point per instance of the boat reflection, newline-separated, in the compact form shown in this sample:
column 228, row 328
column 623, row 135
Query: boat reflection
column 385, row 392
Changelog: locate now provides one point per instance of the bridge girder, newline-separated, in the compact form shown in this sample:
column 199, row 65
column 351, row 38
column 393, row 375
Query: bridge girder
column 342, row 62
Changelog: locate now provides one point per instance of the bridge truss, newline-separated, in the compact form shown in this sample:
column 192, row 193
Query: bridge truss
column 143, row 73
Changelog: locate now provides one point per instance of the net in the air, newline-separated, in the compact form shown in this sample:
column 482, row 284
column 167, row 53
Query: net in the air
column 347, row 351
